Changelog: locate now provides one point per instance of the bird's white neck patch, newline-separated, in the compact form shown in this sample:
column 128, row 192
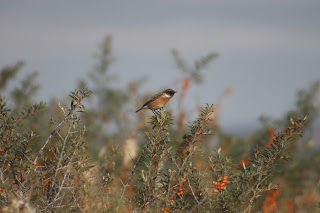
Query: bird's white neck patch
column 166, row 95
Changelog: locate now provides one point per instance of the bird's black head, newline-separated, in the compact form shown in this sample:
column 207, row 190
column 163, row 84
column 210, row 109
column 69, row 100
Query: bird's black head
column 170, row 92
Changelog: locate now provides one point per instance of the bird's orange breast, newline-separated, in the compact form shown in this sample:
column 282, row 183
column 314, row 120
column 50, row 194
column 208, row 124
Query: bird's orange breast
column 157, row 104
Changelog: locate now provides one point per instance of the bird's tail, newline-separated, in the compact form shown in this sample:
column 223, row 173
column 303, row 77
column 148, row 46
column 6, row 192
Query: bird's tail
column 139, row 109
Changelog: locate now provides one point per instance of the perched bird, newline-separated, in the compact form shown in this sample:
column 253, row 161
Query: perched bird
column 158, row 101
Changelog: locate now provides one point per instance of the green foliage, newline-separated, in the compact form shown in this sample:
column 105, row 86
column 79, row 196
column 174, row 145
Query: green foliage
column 193, row 72
column 101, row 157
column 263, row 163
column 52, row 170
column 8, row 73
column 15, row 143
column 107, row 107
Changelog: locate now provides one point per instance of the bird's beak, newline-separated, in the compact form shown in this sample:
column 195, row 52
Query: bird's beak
column 175, row 91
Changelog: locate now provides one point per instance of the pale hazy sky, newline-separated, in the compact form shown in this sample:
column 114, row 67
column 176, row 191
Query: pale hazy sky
column 268, row 49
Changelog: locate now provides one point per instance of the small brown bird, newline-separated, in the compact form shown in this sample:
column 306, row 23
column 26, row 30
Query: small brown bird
column 158, row 101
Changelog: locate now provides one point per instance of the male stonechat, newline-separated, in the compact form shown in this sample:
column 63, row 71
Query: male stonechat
column 158, row 101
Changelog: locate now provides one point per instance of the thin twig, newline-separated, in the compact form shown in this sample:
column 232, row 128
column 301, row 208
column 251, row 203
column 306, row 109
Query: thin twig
column 58, row 127
column 129, row 179
column 192, row 191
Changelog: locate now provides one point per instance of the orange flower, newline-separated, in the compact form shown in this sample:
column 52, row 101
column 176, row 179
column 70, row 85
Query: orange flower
column 244, row 161
column 271, row 131
column 50, row 153
column 186, row 83
column 269, row 203
column 198, row 165
column 182, row 118
column 165, row 210
column 38, row 163
column 224, row 147
column 220, row 184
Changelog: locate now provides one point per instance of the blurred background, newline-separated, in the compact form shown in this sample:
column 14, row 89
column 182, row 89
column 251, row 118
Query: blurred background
column 256, row 61
column 268, row 50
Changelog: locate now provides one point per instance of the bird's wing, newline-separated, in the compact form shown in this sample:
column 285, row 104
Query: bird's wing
column 153, row 98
